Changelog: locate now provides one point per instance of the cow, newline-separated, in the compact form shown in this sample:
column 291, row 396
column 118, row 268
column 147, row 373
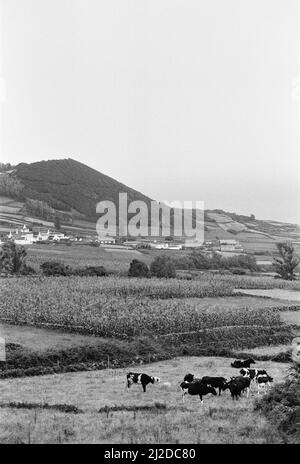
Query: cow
column 252, row 373
column 143, row 379
column 196, row 388
column 238, row 363
column 191, row 378
column 216, row 382
column 237, row 385
column 263, row 382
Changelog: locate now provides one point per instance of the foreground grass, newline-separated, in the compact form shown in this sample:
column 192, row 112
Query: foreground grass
column 218, row 420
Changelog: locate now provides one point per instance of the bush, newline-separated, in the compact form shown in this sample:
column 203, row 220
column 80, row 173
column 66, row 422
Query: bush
column 55, row 268
column 138, row 269
column 238, row 271
column 90, row 271
column 199, row 260
column 27, row 270
column 163, row 266
column 12, row 258
column 282, row 407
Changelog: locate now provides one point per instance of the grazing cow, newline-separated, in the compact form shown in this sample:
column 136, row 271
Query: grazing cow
column 196, row 388
column 252, row 373
column 244, row 382
column 143, row 379
column 238, row 363
column 237, row 385
column 263, row 382
column 216, row 382
column 191, row 378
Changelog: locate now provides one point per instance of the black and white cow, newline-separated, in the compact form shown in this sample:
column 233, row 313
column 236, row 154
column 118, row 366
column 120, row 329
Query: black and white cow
column 216, row 382
column 252, row 373
column 196, row 388
column 143, row 379
column 238, row 363
column 263, row 382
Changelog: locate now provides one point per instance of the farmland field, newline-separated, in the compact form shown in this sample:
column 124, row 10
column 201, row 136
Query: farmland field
column 282, row 294
column 64, row 325
column 218, row 420
column 79, row 255
column 112, row 306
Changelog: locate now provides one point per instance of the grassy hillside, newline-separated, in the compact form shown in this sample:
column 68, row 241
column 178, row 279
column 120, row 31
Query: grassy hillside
column 67, row 184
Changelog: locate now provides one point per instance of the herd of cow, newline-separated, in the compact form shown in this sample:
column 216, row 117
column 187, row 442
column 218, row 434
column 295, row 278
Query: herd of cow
column 205, row 385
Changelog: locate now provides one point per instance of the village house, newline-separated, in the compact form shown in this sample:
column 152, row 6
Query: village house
column 107, row 240
column 230, row 245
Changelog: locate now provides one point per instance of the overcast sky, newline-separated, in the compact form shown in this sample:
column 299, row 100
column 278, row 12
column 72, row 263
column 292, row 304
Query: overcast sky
column 179, row 99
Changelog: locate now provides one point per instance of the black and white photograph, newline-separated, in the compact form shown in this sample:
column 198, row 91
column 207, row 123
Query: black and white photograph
column 150, row 225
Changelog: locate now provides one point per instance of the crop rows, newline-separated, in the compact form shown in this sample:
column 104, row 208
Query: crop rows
column 257, row 282
column 113, row 307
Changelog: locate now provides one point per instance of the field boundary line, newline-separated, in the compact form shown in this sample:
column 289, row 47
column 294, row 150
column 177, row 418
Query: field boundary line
column 221, row 327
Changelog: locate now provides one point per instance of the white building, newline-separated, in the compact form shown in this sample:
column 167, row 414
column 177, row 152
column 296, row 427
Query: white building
column 26, row 239
column 107, row 240
column 57, row 236
column 42, row 236
column 230, row 245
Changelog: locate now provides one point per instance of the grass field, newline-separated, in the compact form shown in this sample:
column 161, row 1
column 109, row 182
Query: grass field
column 282, row 294
column 218, row 420
column 79, row 255
column 136, row 320
column 38, row 339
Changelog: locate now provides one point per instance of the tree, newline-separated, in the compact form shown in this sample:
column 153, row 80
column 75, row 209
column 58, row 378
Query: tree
column 138, row 269
column 39, row 209
column 5, row 167
column 12, row 258
column 287, row 261
column 10, row 186
column 57, row 223
column 163, row 266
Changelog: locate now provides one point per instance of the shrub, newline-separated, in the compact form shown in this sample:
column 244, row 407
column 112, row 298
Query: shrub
column 282, row 407
column 55, row 268
column 90, row 271
column 27, row 270
column 12, row 258
column 238, row 271
column 163, row 266
column 138, row 269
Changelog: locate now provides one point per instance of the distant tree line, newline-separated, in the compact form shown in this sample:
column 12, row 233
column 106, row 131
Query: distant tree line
column 11, row 186
column 13, row 261
column 39, row 209
column 6, row 167
column 197, row 260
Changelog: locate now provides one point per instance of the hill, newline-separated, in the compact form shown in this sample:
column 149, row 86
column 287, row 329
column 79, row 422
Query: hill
column 36, row 192
column 69, row 185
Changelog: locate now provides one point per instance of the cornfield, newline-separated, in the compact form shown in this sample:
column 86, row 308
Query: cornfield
column 118, row 306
